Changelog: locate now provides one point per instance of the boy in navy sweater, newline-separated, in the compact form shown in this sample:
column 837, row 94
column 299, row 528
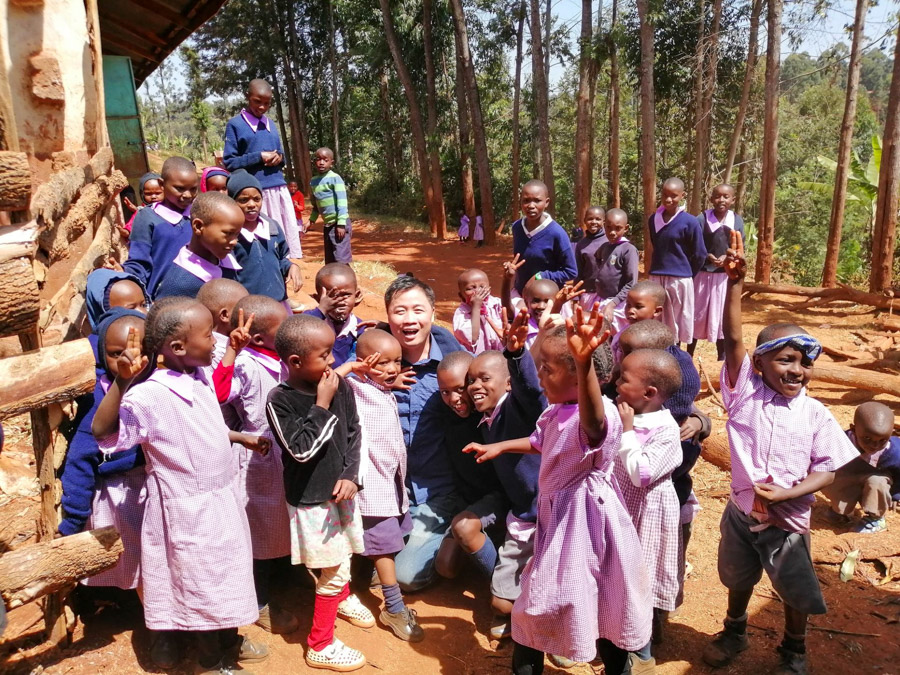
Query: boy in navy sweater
column 678, row 254
column 505, row 389
column 261, row 250
column 252, row 143
column 540, row 241
column 160, row 231
column 216, row 222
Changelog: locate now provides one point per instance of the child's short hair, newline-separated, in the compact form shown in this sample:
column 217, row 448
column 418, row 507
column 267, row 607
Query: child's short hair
column 649, row 334
column 175, row 165
column 771, row 331
column 217, row 293
column 602, row 358
column 534, row 182
column 264, row 309
column 875, row 417
column 596, row 207
column 661, row 370
column 494, row 355
column 674, row 183
column 372, row 340
column 550, row 287
column 293, row 336
column 206, row 204
column 164, row 320
column 651, row 288
column 335, row 269
column 407, row 282
column 454, row 360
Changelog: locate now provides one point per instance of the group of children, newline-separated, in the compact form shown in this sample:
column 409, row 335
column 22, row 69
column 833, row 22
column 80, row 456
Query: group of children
column 228, row 437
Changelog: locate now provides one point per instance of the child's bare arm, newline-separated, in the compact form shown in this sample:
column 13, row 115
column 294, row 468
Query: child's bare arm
column 481, row 295
column 484, row 452
column 814, row 482
column 583, row 338
column 736, row 269
column 131, row 364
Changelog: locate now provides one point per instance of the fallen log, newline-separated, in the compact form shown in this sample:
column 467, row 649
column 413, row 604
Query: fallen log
column 19, row 297
column 35, row 570
column 888, row 322
column 49, row 375
column 15, row 181
column 716, row 450
column 842, row 292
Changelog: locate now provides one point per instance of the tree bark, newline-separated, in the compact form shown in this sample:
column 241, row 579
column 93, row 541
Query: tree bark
column 390, row 150
column 615, row 191
column 19, row 297
column 697, row 105
column 752, row 58
column 584, row 116
column 335, row 114
column 704, row 121
column 845, row 148
column 439, row 228
column 517, row 98
column 435, row 208
column 301, row 131
column 465, row 138
column 32, row 571
column 766, row 226
column 648, row 124
column 541, row 102
column 51, row 375
column 474, row 102
column 888, row 187
column 282, row 128
column 15, row 181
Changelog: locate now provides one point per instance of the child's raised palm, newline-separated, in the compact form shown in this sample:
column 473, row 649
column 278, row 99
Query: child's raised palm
column 367, row 366
column 583, row 336
column 510, row 268
column 568, row 292
column 131, row 361
column 240, row 337
column 516, row 334
column 735, row 264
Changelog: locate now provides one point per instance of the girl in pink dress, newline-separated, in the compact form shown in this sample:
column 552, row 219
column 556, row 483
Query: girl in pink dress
column 196, row 558
column 586, row 590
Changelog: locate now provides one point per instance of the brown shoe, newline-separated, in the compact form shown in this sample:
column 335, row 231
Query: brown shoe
column 277, row 621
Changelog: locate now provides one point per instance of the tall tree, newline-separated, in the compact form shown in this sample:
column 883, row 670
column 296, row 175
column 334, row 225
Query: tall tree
column 752, row 58
column 297, row 107
column 434, row 153
column 766, row 227
column 615, row 196
column 391, row 147
column 201, row 114
column 465, row 138
column 433, row 199
column 584, row 112
column 883, row 239
column 845, row 148
column 517, row 96
column 335, row 112
column 473, row 100
column 648, row 124
column 541, row 101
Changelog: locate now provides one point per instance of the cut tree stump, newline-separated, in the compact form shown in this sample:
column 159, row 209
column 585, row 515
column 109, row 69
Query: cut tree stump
column 49, row 375
column 716, row 450
column 36, row 570
column 19, row 297
column 15, row 181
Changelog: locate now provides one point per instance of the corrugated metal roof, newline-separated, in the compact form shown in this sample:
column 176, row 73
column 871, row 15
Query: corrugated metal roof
column 149, row 30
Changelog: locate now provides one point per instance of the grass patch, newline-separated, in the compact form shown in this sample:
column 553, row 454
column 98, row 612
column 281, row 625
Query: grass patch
column 381, row 222
column 374, row 277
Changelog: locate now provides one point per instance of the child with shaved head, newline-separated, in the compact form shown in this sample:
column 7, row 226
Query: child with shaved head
column 872, row 480
column 338, row 295
column 252, row 143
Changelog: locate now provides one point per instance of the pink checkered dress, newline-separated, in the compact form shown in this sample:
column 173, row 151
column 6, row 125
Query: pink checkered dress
column 119, row 501
column 779, row 440
column 196, row 560
column 261, row 477
column 487, row 338
column 383, row 449
column 649, row 455
column 586, row 579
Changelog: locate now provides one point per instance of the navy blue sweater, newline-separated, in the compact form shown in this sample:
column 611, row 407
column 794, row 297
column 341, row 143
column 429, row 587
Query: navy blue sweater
column 617, row 269
column 680, row 404
column 718, row 242
column 154, row 243
column 264, row 264
column 549, row 253
column 888, row 464
column 179, row 281
column 678, row 248
column 243, row 148
column 85, row 466
column 517, row 418
column 473, row 480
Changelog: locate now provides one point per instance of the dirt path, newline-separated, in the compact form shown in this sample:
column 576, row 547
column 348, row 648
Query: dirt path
column 456, row 615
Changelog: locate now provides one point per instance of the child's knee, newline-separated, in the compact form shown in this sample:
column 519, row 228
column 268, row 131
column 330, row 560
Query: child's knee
column 466, row 529
column 501, row 605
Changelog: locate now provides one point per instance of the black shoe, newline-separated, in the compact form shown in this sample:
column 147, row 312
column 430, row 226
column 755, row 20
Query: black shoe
column 166, row 650
column 725, row 646
column 792, row 663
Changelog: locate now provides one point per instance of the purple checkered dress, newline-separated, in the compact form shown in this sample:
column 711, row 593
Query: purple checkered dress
column 648, row 456
column 586, row 579
column 779, row 440
column 196, row 560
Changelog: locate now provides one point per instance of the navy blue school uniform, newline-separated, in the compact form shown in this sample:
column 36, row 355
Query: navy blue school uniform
column 263, row 257
column 345, row 336
column 678, row 248
column 189, row 272
column 586, row 259
column 157, row 235
column 547, row 251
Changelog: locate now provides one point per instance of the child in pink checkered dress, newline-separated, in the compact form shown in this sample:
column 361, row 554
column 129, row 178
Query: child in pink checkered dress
column 196, row 558
column 586, row 589
column 650, row 452
column 383, row 502
column 785, row 446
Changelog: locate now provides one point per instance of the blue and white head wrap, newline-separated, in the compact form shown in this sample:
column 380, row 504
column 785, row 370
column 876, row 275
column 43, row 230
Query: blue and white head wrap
column 802, row 342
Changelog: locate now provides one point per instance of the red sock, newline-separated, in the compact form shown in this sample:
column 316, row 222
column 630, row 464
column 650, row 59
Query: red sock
column 324, row 615
column 345, row 593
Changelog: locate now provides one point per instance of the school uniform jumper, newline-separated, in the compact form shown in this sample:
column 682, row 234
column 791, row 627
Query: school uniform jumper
column 263, row 256
column 586, row 264
column 547, row 251
column 261, row 477
column 647, row 457
column 189, row 272
column 246, row 137
column 587, row 579
column 711, row 282
column 329, row 198
column 196, row 557
column 159, row 233
column 678, row 254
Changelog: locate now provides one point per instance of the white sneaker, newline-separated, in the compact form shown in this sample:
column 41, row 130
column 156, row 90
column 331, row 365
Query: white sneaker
column 352, row 610
column 336, row 656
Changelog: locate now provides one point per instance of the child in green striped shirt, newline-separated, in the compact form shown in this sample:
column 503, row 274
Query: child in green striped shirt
column 329, row 199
